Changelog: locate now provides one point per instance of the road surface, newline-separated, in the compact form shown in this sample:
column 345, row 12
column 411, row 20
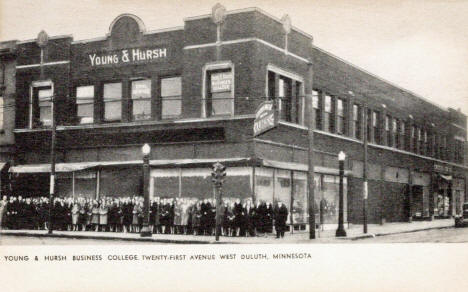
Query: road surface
column 434, row 235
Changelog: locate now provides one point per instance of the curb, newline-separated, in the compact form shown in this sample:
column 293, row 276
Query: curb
column 144, row 239
column 398, row 232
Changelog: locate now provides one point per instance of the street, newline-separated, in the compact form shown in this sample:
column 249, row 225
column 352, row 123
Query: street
column 435, row 236
column 445, row 235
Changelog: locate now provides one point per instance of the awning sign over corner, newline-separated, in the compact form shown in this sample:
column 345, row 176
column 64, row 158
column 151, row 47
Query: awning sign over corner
column 266, row 117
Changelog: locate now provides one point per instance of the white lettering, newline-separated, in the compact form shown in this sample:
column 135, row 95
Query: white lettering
column 125, row 56
column 91, row 57
column 149, row 54
column 162, row 53
column 135, row 55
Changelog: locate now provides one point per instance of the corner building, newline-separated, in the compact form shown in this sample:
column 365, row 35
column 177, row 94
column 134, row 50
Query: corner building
column 191, row 92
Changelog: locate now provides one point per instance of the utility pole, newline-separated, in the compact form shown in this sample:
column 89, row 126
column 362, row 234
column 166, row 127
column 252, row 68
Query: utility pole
column 52, row 163
column 364, row 174
column 310, row 138
column 218, row 174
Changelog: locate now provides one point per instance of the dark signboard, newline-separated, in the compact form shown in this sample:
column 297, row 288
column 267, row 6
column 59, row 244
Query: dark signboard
column 266, row 117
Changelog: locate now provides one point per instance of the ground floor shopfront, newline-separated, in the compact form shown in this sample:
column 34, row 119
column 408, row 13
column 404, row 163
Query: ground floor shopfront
column 247, row 179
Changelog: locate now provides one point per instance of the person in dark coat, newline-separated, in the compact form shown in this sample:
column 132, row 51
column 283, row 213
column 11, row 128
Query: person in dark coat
column 250, row 217
column 268, row 218
column 281, row 216
column 260, row 208
column 238, row 218
column 127, row 210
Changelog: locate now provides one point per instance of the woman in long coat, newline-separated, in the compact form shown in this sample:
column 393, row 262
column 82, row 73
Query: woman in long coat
column 196, row 218
column 127, row 210
column 185, row 214
column 95, row 215
column 75, row 215
column 177, row 216
column 135, row 217
column 103, row 215
column 83, row 216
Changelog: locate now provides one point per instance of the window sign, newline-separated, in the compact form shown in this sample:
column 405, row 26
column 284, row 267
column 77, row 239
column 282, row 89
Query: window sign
column 221, row 82
column 141, row 99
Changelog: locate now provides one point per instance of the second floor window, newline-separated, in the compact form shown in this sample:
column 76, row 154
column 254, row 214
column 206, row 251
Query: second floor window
column 341, row 119
column 375, row 127
column 328, row 116
column 388, row 133
column 85, row 104
column 220, row 94
column 45, row 106
column 141, row 100
column 357, row 116
column 112, row 98
column 171, row 96
column 316, row 102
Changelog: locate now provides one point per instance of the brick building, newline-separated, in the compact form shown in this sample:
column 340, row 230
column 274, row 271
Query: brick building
column 7, row 110
column 191, row 92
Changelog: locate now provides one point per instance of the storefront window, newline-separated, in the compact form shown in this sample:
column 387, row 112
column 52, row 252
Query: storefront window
column 112, row 102
column 165, row 183
column 121, row 182
column 45, row 106
column 171, row 95
column 283, row 189
column 220, row 93
column 329, row 199
column 85, row 104
column 141, row 100
column 84, row 185
column 299, row 211
column 264, row 184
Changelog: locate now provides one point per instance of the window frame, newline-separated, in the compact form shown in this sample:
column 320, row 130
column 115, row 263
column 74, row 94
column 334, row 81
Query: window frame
column 132, row 100
column 226, row 65
column 300, row 117
column 160, row 79
column 92, row 102
column 32, row 87
column 103, row 101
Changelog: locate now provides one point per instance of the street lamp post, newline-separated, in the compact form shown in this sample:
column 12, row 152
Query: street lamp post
column 341, row 232
column 145, row 230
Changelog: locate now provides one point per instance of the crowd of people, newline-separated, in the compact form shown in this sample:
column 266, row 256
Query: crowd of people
column 166, row 215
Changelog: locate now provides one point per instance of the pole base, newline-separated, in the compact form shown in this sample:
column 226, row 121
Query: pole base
column 340, row 232
column 145, row 231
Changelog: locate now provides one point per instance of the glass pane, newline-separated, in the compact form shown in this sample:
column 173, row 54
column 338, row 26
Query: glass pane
column 171, row 108
column 85, row 113
column 264, row 185
column 46, row 113
column 340, row 107
column 315, row 99
column 113, row 91
column 171, row 87
column 222, row 103
column 85, row 94
column 141, row 109
column 299, row 210
column 112, row 110
column 328, row 107
column 45, row 94
column 283, row 188
column 141, row 89
column 124, row 182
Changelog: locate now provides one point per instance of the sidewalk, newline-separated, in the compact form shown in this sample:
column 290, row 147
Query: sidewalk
column 354, row 232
